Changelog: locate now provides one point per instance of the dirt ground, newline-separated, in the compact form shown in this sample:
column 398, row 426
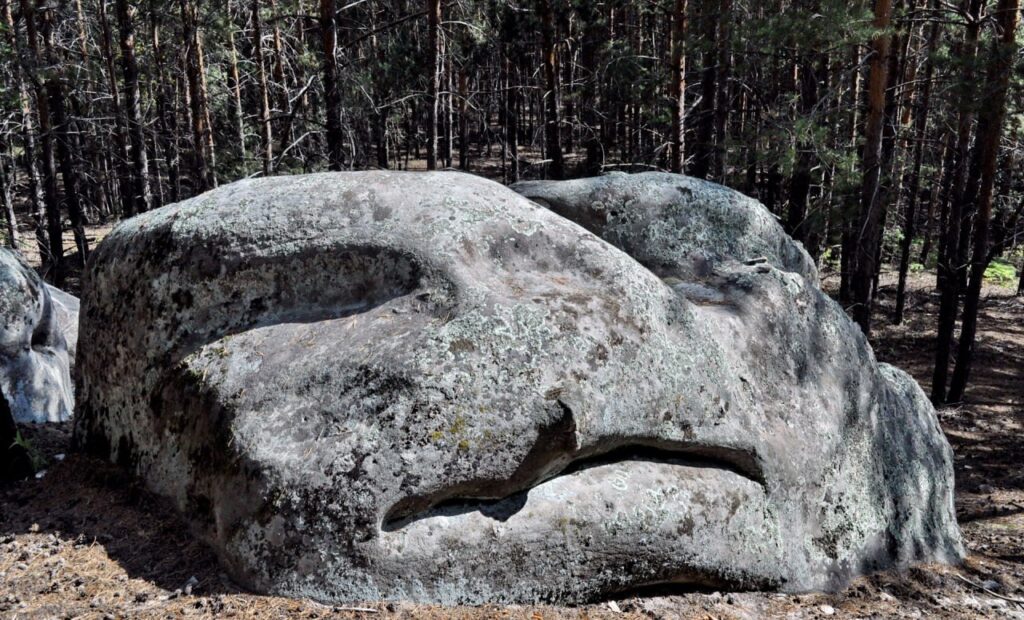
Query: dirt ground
column 83, row 540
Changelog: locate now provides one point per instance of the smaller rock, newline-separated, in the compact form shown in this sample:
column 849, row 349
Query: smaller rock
column 828, row 610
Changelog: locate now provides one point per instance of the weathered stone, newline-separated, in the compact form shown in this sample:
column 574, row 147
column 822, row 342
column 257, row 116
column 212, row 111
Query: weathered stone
column 34, row 355
column 65, row 308
column 670, row 221
column 380, row 385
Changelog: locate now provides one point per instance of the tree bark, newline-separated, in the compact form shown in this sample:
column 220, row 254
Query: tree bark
column 552, row 121
column 53, row 258
column 433, row 78
column 28, row 133
column 589, row 46
column 10, row 220
column 167, row 117
column 677, row 90
column 704, row 148
column 201, row 131
column 121, row 167
column 266, row 134
column 235, row 84
column 870, row 220
column 722, row 97
column 947, row 279
column 332, row 91
column 920, row 135
column 992, row 113
column 141, row 199
column 463, row 138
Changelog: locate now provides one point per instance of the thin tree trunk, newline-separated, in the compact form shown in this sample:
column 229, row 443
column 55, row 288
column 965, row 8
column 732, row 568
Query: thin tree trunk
column 433, row 78
column 870, row 221
column 948, row 268
column 10, row 221
column 54, row 256
column 591, row 42
column 800, row 183
column 920, row 134
column 332, row 92
column 704, row 148
column 722, row 98
column 552, row 122
column 63, row 133
column 141, row 197
column 511, row 125
column 990, row 125
column 167, row 113
column 281, row 82
column 236, row 92
column 266, row 135
column 122, row 170
column 677, row 92
column 203, row 172
column 463, row 96
column 28, row 137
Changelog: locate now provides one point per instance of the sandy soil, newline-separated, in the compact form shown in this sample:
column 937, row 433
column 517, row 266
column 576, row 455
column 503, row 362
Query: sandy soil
column 83, row 540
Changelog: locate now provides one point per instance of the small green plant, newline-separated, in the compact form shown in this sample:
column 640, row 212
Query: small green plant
column 34, row 456
column 1001, row 273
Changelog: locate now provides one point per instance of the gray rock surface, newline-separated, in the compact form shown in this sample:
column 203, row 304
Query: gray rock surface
column 671, row 222
column 34, row 353
column 65, row 308
column 363, row 386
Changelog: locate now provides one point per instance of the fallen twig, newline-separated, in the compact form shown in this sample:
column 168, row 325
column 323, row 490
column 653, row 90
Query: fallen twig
column 987, row 591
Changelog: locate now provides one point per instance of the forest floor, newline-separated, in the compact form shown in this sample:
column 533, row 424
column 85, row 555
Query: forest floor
column 84, row 540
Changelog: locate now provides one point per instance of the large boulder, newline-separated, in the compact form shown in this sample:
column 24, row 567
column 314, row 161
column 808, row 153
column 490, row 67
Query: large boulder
column 363, row 386
column 34, row 352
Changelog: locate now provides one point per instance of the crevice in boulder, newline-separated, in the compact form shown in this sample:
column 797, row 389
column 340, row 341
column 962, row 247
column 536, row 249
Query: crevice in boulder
column 502, row 505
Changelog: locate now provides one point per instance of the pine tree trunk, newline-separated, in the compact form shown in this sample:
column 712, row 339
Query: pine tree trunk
column 463, row 96
column 35, row 195
column 433, row 78
column 202, row 163
column 704, row 147
column 920, row 135
column 122, row 170
column 236, row 92
column 332, row 91
column 552, row 121
column 167, row 116
column 53, row 257
column 7, row 204
column 141, row 197
column 948, row 279
column 589, row 45
column 280, row 81
column 448, row 108
column 722, row 98
column 800, row 184
column 677, row 92
column 511, row 125
column 992, row 113
column 870, row 220
column 266, row 134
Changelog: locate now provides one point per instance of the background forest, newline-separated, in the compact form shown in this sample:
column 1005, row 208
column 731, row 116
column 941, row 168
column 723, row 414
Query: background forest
column 881, row 134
